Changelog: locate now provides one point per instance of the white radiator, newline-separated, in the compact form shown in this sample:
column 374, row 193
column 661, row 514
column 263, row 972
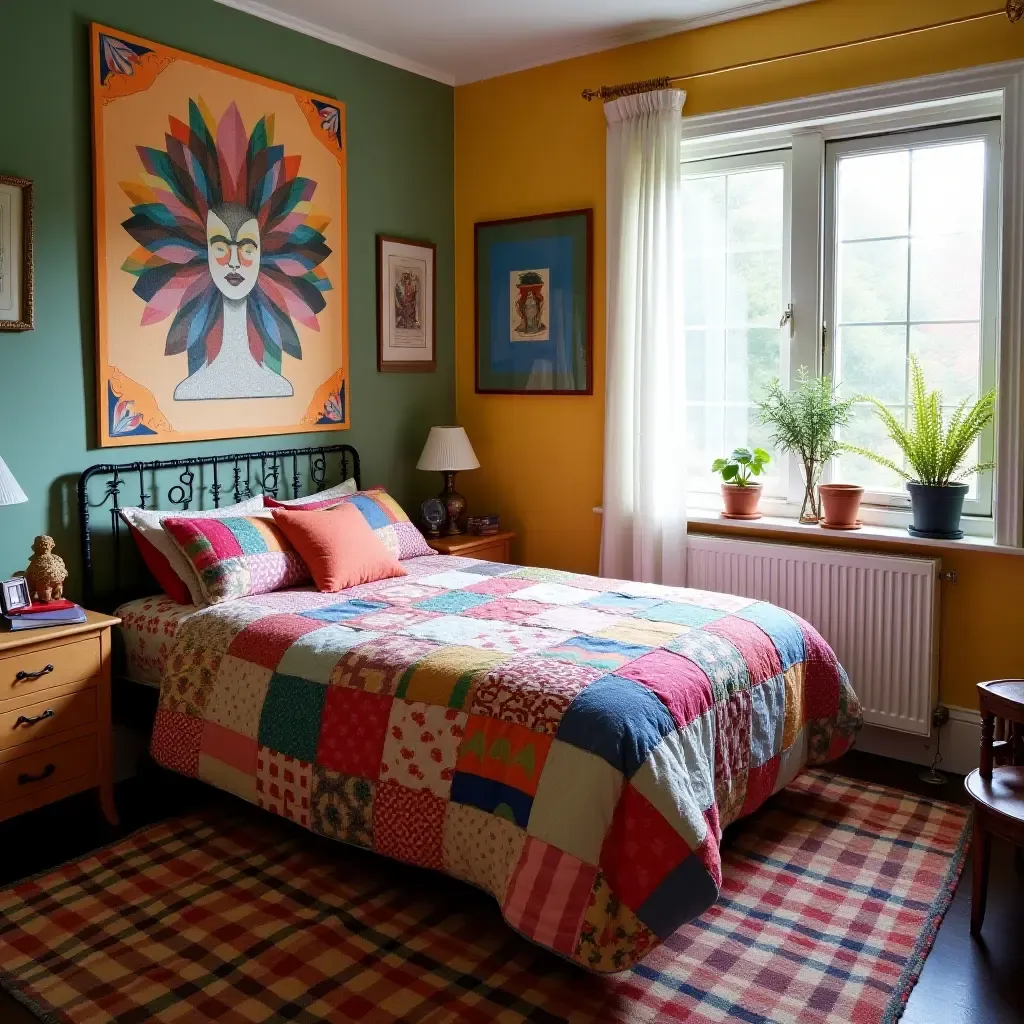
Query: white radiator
column 879, row 613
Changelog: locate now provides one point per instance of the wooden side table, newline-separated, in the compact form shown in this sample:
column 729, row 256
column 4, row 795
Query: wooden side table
column 55, row 715
column 497, row 547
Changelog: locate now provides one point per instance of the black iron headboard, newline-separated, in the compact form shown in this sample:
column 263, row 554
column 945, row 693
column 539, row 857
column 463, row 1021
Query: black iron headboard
column 216, row 476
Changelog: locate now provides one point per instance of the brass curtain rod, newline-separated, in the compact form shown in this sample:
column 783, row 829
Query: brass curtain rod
column 1014, row 10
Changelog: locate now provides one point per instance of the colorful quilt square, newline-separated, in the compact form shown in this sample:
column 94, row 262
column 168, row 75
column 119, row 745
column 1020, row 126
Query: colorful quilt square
column 238, row 694
column 542, row 575
column 768, row 719
column 446, row 676
column 625, row 604
column 554, row 593
column 548, row 894
column 228, row 778
column 682, row 896
column 824, row 679
column 408, row 824
column 644, row 632
column 728, row 603
column 794, row 679
column 178, row 739
column 352, row 733
column 344, row 611
column 481, row 848
column 683, row 687
column 264, row 642
column 681, row 614
column 733, row 719
column 531, row 691
column 500, row 586
column 575, row 801
column 617, row 719
column 612, row 938
column 290, row 721
column 421, row 746
column 452, row 579
column 451, row 602
column 516, row 638
column 508, row 609
column 390, row 620
column 315, row 655
column 447, row 629
column 493, row 797
column 503, row 752
column 283, row 785
column 754, row 644
column 640, row 850
column 380, row 665
column 394, row 591
column 782, row 627
column 596, row 652
column 228, row 747
column 482, row 568
column 760, row 784
column 575, row 619
column 721, row 661
column 341, row 806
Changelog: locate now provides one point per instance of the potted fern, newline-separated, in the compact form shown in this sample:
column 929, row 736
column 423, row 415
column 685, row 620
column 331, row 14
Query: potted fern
column 804, row 422
column 935, row 452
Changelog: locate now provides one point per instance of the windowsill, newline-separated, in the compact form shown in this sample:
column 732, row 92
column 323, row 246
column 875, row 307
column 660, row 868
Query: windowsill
column 791, row 529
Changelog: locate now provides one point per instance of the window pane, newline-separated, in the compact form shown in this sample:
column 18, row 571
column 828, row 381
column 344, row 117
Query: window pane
column 949, row 189
column 873, row 361
column 874, row 195
column 945, row 277
column 866, row 430
column 735, row 292
column 950, row 355
column 872, row 283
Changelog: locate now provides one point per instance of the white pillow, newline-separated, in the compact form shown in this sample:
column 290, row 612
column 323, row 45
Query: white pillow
column 338, row 491
column 149, row 523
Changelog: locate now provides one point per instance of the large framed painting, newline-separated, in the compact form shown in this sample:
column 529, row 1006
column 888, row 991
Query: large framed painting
column 221, row 249
column 406, row 304
column 16, row 305
column 534, row 305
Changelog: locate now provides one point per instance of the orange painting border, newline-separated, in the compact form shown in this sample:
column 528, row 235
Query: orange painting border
column 99, row 246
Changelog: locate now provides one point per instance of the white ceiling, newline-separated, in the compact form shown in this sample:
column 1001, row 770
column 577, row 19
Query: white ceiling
column 457, row 41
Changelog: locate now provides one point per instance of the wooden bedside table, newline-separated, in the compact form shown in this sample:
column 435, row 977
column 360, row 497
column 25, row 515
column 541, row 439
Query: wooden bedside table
column 55, row 715
column 497, row 547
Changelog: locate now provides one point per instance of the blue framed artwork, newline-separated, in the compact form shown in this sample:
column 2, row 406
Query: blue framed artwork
column 534, row 305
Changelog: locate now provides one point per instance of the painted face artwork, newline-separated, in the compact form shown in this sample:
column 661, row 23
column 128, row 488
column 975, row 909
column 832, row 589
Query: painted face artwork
column 233, row 249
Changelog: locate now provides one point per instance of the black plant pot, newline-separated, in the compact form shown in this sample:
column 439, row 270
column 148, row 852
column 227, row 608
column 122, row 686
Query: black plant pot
column 936, row 510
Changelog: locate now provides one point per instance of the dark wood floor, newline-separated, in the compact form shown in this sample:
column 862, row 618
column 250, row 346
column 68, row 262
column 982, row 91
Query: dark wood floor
column 964, row 982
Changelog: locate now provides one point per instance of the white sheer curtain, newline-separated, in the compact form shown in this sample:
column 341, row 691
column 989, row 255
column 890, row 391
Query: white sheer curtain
column 644, row 529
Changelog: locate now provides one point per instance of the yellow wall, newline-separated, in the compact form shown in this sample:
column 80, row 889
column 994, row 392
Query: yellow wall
column 526, row 143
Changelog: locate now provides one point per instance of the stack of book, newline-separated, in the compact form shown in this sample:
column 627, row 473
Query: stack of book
column 38, row 616
column 483, row 526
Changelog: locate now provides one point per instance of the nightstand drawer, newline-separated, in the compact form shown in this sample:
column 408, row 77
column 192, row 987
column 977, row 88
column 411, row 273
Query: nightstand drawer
column 496, row 552
column 30, row 722
column 25, row 673
column 56, row 765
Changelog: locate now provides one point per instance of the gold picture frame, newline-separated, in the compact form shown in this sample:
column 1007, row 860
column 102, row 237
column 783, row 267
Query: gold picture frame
column 17, row 295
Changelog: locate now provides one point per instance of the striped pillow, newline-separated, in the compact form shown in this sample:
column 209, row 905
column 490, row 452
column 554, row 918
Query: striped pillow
column 237, row 556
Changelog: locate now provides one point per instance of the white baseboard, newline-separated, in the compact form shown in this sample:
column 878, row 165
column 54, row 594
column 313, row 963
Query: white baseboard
column 957, row 741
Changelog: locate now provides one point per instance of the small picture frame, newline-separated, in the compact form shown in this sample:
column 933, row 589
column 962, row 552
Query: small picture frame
column 406, row 305
column 14, row 595
column 16, row 259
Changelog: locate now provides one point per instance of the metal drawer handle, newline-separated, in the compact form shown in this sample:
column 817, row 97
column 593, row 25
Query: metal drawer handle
column 24, row 778
column 22, row 675
column 23, row 720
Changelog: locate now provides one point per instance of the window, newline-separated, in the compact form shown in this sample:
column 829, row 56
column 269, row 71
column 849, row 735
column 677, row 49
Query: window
column 898, row 234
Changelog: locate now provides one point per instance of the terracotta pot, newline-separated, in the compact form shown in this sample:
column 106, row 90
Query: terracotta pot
column 841, row 504
column 741, row 502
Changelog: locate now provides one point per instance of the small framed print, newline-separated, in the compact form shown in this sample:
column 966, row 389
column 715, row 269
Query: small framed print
column 16, row 296
column 406, row 301
column 534, row 305
column 14, row 594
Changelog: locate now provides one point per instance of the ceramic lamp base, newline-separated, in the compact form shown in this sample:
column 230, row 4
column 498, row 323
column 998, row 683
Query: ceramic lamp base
column 454, row 506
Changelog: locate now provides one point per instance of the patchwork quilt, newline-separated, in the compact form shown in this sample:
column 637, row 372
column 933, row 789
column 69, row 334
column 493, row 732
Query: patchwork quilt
column 572, row 745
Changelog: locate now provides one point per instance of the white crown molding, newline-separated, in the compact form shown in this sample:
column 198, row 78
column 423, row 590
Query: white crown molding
column 612, row 42
column 308, row 28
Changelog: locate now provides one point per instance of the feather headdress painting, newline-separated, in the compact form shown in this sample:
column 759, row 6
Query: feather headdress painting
column 229, row 249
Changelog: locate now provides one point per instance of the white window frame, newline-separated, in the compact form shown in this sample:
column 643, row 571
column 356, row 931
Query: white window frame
column 988, row 132
column 995, row 90
column 754, row 161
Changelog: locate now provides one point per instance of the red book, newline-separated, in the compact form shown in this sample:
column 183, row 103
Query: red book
column 43, row 606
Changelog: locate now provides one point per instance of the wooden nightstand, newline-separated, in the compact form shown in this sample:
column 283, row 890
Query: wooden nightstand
column 494, row 548
column 55, row 715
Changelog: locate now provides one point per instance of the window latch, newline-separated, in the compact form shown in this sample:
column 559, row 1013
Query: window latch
column 787, row 317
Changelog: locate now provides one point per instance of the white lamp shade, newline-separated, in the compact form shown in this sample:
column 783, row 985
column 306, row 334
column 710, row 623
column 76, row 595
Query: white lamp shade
column 10, row 490
column 447, row 450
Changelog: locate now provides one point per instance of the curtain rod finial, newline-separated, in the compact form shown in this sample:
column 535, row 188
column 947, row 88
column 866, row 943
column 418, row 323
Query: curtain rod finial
column 591, row 94
column 1014, row 10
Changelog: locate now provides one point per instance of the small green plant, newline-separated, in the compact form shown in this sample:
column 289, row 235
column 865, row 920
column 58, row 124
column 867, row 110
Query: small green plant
column 804, row 421
column 934, row 450
column 742, row 466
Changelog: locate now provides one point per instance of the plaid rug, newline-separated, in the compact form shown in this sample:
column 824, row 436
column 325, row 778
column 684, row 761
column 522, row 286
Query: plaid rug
column 833, row 893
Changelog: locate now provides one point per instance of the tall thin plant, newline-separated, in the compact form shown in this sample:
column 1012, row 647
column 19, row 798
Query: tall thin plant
column 805, row 421
column 935, row 451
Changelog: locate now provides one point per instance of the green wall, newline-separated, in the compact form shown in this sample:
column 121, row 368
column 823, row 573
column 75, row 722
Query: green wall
column 400, row 177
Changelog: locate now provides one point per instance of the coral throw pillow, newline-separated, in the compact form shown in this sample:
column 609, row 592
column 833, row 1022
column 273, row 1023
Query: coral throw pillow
column 237, row 557
column 338, row 546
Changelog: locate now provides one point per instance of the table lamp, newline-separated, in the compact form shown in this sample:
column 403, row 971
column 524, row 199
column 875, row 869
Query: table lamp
column 10, row 490
column 447, row 451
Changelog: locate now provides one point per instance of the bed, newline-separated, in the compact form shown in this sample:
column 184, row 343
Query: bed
column 572, row 745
